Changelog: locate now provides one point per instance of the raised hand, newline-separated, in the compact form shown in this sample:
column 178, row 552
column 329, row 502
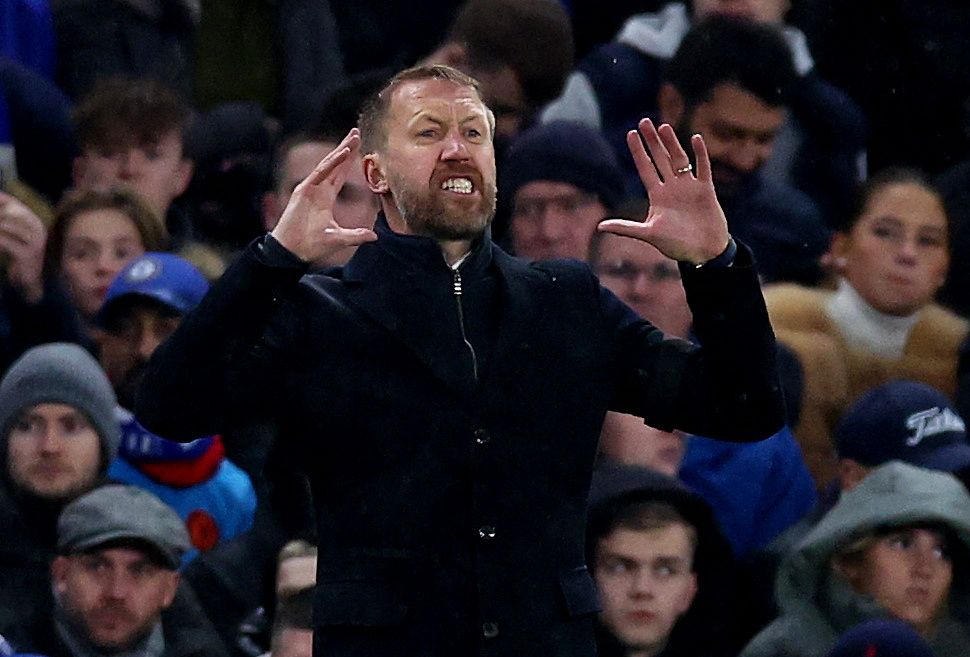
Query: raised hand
column 685, row 221
column 22, row 239
column 307, row 227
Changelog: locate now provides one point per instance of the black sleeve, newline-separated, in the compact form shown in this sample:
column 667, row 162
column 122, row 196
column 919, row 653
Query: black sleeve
column 206, row 370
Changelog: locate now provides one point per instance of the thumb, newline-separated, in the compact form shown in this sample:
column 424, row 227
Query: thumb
column 624, row 227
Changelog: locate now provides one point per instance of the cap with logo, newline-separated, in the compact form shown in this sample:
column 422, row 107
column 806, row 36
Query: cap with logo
column 906, row 421
column 163, row 278
column 112, row 514
column 881, row 637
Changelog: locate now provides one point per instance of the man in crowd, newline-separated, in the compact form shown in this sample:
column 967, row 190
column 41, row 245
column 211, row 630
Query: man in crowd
column 132, row 133
column 58, row 434
column 561, row 179
column 447, row 398
column 659, row 562
column 118, row 551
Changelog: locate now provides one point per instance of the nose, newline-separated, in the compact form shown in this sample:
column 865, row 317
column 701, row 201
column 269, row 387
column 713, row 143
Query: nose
column 50, row 440
column 105, row 263
column 148, row 342
column 116, row 586
column 130, row 165
column 748, row 155
column 551, row 223
column 641, row 284
column 641, row 586
column 906, row 253
column 454, row 147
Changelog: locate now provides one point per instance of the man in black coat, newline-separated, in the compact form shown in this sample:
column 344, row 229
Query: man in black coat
column 447, row 398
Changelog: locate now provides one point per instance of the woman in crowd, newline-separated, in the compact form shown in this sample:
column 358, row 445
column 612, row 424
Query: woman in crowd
column 881, row 323
column 895, row 546
column 94, row 235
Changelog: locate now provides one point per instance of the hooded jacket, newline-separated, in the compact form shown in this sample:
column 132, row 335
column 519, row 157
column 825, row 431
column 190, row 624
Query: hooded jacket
column 817, row 606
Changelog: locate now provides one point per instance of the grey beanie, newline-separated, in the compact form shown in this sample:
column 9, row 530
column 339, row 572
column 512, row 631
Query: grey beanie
column 60, row 373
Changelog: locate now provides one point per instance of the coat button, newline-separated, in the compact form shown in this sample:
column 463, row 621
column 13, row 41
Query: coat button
column 482, row 437
column 486, row 533
column 489, row 630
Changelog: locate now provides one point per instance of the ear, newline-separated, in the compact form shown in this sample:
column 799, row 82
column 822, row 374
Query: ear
column 374, row 175
column 171, row 586
column 183, row 176
column 59, row 567
column 851, row 473
column 671, row 105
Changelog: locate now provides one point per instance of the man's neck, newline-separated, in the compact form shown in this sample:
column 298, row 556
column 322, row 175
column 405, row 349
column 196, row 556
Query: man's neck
column 453, row 251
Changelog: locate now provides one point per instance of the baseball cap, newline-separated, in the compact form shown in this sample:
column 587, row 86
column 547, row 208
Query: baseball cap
column 906, row 421
column 162, row 277
column 122, row 513
column 881, row 638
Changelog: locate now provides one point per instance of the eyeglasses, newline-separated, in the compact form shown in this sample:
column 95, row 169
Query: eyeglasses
column 661, row 272
column 533, row 208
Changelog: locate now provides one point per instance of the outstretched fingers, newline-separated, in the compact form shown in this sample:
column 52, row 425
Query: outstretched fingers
column 702, row 158
column 648, row 173
column 332, row 161
column 677, row 157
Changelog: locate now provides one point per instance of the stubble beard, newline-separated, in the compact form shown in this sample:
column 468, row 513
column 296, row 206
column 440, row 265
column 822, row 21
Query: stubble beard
column 426, row 213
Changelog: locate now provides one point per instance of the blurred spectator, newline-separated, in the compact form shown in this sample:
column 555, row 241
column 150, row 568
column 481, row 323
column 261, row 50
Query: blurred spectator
column 881, row 638
column 115, row 572
column 882, row 323
column 660, row 565
column 820, row 148
column 355, row 207
column 293, row 625
column 895, row 545
column 898, row 421
column 132, row 132
column 95, row 233
column 732, row 81
column 288, row 49
column 519, row 50
column 231, row 148
column 561, row 179
column 143, row 305
column 58, row 434
column 98, row 39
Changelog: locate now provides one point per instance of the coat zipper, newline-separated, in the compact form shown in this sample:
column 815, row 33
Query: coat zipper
column 461, row 324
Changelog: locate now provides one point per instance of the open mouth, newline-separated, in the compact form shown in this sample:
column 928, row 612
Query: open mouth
column 458, row 185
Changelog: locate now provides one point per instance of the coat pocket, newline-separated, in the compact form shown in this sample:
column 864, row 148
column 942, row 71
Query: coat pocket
column 579, row 592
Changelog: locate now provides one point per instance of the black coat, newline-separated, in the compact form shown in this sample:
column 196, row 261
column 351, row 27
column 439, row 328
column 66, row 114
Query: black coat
column 451, row 493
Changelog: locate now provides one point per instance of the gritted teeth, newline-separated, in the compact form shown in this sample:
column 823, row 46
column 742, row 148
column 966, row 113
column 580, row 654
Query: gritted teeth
column 458, row 185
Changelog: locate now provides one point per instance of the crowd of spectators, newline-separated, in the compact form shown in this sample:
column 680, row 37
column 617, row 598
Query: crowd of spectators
column 144, row 143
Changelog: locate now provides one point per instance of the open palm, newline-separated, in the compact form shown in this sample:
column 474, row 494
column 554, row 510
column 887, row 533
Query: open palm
column 685, row 221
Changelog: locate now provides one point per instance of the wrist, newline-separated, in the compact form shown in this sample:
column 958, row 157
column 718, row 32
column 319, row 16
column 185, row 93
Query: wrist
column 724, row 259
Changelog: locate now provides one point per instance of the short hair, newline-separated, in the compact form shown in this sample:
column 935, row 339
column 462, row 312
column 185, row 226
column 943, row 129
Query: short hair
column 532, row 37
column 121, row 112
column 886, row 178
column 648, row 515
column 723, row 50
column 294, row 611
column 373, row 132
column 149, row 225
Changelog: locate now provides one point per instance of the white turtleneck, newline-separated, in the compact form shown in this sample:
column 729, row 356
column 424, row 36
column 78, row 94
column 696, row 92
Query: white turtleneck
column 867, row 329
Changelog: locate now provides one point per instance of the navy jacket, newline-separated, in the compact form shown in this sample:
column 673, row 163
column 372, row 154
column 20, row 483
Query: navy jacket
column 450, row 439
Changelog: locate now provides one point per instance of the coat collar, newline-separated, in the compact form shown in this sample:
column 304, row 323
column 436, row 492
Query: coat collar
column 404, row 284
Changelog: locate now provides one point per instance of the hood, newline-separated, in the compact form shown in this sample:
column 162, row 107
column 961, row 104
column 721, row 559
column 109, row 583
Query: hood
column 894, row 494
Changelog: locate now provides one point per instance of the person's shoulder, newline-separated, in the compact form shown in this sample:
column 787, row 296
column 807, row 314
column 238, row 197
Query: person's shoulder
column 796, row 306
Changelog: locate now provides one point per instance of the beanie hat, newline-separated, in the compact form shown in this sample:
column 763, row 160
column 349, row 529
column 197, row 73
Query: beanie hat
column 60, row 373
column 881, row 638
column 567, row 152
